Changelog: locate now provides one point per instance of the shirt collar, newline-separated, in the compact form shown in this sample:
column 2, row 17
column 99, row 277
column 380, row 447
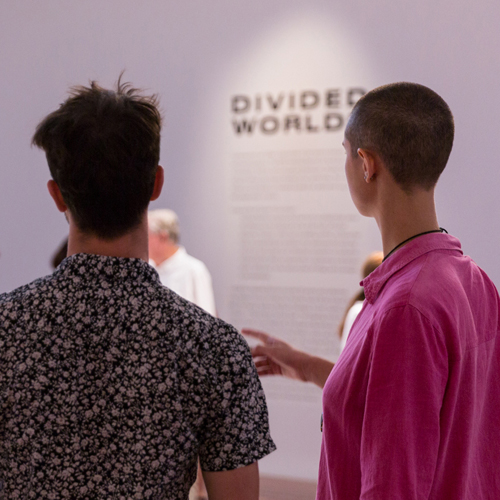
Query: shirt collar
column 374, row 282
column 173, row 260
column 87, row 266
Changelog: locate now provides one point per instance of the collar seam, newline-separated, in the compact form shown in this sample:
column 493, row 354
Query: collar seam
column 375, row 288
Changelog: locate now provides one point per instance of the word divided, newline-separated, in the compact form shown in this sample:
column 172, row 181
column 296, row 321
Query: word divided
column 308, row 111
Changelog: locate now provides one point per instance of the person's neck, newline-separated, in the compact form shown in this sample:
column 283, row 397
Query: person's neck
column 134, row 244
column 404, row 215
column 165, row 253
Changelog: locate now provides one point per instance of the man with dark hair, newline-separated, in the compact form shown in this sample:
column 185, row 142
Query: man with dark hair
column 103, row 150
column 113, row 386
column 410, row 409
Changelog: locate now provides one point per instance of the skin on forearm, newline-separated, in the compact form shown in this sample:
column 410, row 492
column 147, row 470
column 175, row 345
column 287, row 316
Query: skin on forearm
column 317, row 370
column 237, row 484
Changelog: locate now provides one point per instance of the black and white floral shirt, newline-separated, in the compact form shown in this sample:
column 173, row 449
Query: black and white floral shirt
column 112, row 386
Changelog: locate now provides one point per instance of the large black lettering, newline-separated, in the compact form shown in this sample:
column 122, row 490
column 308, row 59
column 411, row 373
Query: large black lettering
column 244, row 126
column 269, row 125
column 292, row 121
column 354, row 94
column 333, row 98
column 240, row 104
column 309, row 126
column 258, row 102
column 275, row 104
column 333, row 122
column 309, row 99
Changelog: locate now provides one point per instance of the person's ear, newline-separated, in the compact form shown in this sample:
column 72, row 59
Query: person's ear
column 159, row 178
column 370, row 164
column 56, row 195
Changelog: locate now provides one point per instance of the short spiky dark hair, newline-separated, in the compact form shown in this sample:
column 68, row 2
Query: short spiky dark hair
column 409, row 126
column 103, row 149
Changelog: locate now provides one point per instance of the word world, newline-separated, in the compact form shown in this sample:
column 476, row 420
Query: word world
column 299, row 111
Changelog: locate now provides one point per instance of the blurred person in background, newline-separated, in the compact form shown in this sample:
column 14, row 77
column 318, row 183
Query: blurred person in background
column 356, row 303
column 179, row 271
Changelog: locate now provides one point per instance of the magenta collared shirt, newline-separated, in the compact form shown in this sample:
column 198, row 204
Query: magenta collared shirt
column 412, row 407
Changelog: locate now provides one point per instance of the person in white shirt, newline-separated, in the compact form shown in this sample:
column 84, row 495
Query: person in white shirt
column 179, row 271
column 356, row 303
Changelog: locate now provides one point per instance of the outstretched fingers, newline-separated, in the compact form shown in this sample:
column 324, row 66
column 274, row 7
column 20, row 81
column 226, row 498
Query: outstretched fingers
column 257, row 334
column 259, row 350
column 265, row 366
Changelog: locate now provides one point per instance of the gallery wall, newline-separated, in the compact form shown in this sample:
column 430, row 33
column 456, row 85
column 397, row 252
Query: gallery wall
column 248, row 205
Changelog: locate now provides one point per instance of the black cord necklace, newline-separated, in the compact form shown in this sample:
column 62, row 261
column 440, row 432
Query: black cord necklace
column 440, row 230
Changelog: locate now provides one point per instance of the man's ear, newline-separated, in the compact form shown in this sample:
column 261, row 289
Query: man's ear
column 159, row 178
column 370, row 164
column 55, row 192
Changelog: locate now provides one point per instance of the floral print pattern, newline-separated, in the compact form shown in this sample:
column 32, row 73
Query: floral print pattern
column 112, row 386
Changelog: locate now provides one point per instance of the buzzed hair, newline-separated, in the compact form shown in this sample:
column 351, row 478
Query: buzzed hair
column 103, row 149
column 164, row 221
column 409, row 126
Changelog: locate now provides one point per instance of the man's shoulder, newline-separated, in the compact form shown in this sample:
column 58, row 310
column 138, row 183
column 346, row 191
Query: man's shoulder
column 198, row 333
column 183, row 311
column 18, row 295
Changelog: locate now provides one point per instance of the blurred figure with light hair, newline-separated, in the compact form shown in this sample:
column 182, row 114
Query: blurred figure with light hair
column 179, row 271
column 356, row 303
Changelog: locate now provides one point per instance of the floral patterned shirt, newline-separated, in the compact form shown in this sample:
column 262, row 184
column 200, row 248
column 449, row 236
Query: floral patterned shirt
column 112, row 386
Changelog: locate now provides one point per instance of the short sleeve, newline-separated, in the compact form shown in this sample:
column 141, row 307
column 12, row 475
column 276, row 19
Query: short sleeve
column 401, row 424
column 236, row 431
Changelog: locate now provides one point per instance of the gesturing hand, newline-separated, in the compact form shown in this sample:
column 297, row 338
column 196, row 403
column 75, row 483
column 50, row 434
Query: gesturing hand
column 276, row 357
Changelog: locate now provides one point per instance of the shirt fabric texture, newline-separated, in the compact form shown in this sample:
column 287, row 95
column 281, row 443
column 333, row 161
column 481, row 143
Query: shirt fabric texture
column 412, row 407
column 112, row 386
column 188, row 277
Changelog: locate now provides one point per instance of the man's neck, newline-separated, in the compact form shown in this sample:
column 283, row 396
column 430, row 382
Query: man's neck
column 402, row 216
column 134, row 244
column 167, row 251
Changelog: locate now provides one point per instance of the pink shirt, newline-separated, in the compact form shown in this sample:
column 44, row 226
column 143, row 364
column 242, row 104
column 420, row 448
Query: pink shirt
column 412, row 407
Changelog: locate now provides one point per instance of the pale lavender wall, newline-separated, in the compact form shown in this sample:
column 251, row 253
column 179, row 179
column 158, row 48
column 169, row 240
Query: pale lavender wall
column 182, row 50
